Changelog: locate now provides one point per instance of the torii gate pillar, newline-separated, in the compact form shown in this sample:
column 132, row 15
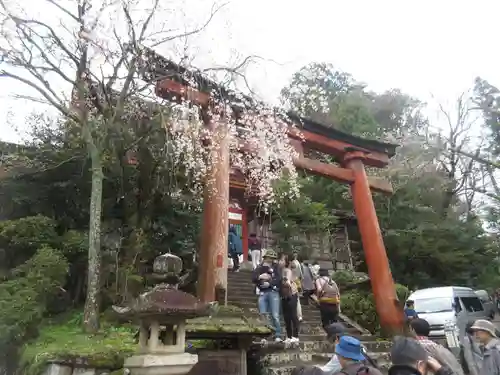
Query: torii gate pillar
column 382, row 283
column 212, row 269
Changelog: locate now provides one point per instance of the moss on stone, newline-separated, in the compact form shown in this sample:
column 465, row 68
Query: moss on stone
column 230, row 319
column 65, row 342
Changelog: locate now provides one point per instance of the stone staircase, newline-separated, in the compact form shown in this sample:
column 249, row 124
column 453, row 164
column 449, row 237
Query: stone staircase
column 313, row 348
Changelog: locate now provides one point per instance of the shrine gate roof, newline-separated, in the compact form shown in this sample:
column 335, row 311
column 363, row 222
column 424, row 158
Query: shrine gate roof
column 332, row 133
column 158, row 68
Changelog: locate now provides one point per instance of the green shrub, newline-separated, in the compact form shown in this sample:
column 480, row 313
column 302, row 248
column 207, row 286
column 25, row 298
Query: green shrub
column 19, row 239
column 343, row 278
column 28, row 232
column 402, row 293
column 64, row 340
column 23, row 299
column 74, row 243
column 359, row 305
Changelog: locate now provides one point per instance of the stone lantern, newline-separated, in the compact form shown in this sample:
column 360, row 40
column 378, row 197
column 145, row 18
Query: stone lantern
column 163, row 310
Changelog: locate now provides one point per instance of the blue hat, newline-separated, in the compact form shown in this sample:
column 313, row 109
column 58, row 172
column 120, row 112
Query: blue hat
column 349, row 347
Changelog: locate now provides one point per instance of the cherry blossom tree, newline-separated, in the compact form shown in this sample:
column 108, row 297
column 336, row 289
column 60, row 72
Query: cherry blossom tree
column 259, row 148
column 87, row 59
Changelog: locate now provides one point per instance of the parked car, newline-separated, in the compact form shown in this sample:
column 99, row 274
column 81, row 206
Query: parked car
column 449, row 304
column 487, row 301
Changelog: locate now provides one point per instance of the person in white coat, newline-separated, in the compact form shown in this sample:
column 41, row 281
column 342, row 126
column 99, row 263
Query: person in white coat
column 255, row 247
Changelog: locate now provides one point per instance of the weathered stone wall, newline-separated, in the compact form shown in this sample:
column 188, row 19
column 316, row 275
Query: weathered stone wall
column 224, row 362
column 326, row 248
column 61, row 369
column 229, row 362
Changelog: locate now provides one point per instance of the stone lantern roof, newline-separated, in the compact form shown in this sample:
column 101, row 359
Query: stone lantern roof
column 164, row 303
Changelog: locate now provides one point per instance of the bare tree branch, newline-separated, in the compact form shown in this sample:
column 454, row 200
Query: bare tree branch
column 58, row 105
column 480, row 159
column 214, row 11
column 64, row 10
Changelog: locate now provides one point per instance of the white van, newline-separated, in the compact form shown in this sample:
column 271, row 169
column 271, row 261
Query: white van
column 453, row 304
column 488, row 303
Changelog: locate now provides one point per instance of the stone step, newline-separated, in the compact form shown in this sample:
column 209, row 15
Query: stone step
column 373, row 346
column 297, row 355
column 369, row 342
column 382, row 358
column 287, row 356
column 307, row 311
column 241, row 286
column 318, row 344
column 311, row 322
column 310, row 318
column 307, row 314
column 251, row 301
column 241, row 274
column 321, row 345
column 231, row 274
column 240, row 294
column 286, row 369
column 244, row 285
column 240, row 278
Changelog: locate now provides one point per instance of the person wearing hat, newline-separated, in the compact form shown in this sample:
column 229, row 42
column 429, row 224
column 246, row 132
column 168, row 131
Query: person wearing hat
column 267, row 278
column 333, row 334
column 471, row 355
column 485, row 333
column 410, row 358
column 350, row 354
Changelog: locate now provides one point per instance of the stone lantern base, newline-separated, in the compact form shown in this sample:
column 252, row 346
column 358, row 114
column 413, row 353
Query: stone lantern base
column 161, row 364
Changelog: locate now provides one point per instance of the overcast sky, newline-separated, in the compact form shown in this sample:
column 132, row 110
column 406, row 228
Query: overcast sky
column 422, row 47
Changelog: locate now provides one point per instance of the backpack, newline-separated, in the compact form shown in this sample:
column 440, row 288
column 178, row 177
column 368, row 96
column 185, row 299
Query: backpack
column 329, row 291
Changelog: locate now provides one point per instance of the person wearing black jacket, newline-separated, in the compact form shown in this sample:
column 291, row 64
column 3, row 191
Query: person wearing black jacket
column 410, row 358
column 267, row 278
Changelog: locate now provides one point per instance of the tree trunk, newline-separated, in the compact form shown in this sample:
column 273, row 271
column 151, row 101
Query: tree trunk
column 92, row 301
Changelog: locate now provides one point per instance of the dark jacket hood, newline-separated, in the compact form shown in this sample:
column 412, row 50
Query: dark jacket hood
column 403, row 370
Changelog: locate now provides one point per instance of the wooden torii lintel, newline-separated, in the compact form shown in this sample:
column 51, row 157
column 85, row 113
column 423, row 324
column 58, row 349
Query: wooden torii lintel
column 343, row 175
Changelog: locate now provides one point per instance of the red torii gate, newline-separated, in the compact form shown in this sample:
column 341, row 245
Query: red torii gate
column 352, row 152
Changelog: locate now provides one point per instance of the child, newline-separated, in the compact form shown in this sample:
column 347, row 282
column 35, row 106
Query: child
column 410, row 312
